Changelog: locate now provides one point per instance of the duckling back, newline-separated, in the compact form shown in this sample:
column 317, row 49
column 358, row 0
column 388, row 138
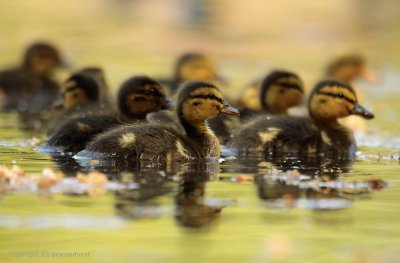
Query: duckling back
column 73, row 134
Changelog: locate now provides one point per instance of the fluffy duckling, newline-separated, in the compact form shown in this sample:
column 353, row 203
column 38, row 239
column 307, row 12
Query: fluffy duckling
column 80, row 95
column 319, row 134
column 348, row 67
column 279, row 91
column 196, row 102
column 29, row 88
column 137, row 97
column 261, row 95
column 98, row 74
column 192, row 66
column 78, row 91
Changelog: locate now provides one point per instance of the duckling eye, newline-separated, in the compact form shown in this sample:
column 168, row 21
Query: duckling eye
column 151, row 92
column 196, row 104
column 340, row 95
column 211, row 96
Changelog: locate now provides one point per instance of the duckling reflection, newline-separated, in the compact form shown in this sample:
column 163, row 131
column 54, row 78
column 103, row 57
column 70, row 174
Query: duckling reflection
column 191, row 209
column 138, row 198
column 140, row 195
column 328, row 191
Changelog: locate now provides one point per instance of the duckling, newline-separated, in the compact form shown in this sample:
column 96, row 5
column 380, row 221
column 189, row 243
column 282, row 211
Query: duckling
column 197, row 101
column 29, row 88
column 78, row 91
column 80, row 97
column 193, row 66
column 137, row 96
column 98, row 74
column 251, row 97
column 279, row 91
column 348, row 67
column 321, row 134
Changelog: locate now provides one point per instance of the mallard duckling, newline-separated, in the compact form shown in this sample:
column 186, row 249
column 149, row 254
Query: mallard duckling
column 29, row 88
column 197, row 101
column 80, row 97
column 137, row 96
column 348, row 67
column 319, row 134
column 80, row 90
column 192, row 66
column 278, row 91
column 255, row 97
column 98, row 74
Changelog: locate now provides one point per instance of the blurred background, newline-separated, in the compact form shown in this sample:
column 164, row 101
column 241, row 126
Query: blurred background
column 247, row 40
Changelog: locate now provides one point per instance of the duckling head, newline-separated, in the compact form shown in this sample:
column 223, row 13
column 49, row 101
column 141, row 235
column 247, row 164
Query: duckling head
column 141, row 95
column 332, row 99
column 80, row 89
column 198, row 101
column 41, row 58
column 348, row 67
column 97, row 73
column 194, row 66
column 281, row 90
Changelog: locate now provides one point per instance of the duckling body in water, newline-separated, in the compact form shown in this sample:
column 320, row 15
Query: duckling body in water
column 137, row 96
column 319, row 134
column 197, row 101
column 279, row 91
column 29, row 89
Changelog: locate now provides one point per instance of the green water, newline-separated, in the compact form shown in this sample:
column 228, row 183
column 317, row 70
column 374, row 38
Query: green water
column 297, row 220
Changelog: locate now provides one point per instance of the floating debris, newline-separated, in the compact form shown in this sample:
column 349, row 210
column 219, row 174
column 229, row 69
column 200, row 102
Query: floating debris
column 16, row 180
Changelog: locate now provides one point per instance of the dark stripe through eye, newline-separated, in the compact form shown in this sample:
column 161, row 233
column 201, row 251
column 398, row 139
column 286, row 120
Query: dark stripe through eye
column 336, row 95
column 208, row 96
column 291, row 86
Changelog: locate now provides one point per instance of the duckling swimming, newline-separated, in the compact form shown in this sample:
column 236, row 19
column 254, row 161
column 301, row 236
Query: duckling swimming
column 253, row 97
column 29, row 88
column 348, row 67
column 279, row 91
column 80, row 97
column 320, row 134
column 80, row 90
column 197, row 101
column 98, row 74
column 137, row 97
column 192, row 66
